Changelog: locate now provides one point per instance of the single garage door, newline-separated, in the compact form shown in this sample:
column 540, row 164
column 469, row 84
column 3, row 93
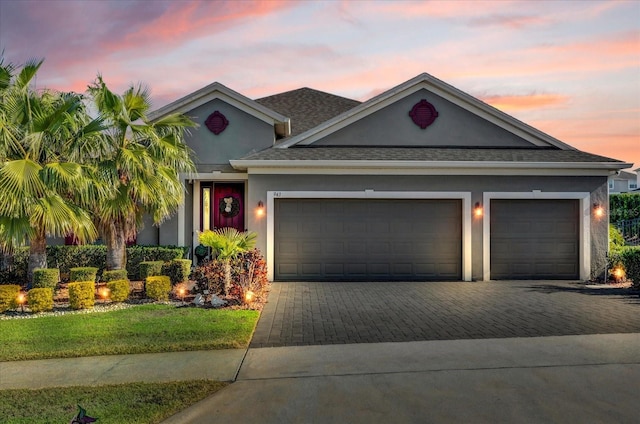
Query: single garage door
column 377, row 240
column 534, row 239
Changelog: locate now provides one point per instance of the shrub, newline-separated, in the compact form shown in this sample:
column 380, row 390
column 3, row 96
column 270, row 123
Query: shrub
column 9, row 296
column 82, row 294
column 85, row 273
column 138, row 254
column 630, row 257
column 248, row 272
column 158, row 287
column 15, row 266
column 67, row 257
column 119, row 290
column 178, row 270
column 150, row 269
column 624, row 206
column 40, row 299
column 46, row 278
column 113, row 275
column 616, row 240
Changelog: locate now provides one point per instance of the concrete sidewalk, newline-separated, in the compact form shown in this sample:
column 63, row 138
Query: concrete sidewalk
column 588, row 379
column 219, row 365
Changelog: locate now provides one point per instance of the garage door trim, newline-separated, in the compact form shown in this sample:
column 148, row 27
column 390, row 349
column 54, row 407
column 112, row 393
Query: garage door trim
column 465, row 197
column 584, row 231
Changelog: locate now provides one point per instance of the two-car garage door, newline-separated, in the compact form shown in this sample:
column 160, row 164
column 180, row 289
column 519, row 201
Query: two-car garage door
column 367, row 239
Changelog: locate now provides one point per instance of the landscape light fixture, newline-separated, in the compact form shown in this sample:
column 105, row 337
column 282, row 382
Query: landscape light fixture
column 21, row 300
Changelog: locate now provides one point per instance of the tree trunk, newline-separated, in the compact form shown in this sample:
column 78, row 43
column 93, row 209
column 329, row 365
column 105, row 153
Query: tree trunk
column 116, row 246
column 227, row 276
column 37, row 255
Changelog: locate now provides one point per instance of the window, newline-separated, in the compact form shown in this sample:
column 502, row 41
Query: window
column 633, row 185
column 206, row 208
column 611, row 186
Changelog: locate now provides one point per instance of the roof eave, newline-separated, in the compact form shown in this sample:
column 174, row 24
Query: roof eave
column 242, row 164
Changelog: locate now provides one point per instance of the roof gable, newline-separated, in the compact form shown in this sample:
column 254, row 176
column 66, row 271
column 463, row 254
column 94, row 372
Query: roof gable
column 219, row 91
column 429, row 84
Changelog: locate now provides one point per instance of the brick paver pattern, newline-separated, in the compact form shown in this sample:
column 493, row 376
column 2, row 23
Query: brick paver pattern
column 372, row 312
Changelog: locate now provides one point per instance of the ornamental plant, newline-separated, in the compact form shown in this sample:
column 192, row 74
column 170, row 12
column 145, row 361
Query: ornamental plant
column 158, row 287
column 82, row 294
column 9, row 296
column 228, row 243
column 150, row 268
column 178, row 270
column 119, row 290
column 114, row 274
column 46, row 277
column 40, row 299
column 86, row 273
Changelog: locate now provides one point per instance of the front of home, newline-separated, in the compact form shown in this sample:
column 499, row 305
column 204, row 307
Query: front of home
column 422, row 182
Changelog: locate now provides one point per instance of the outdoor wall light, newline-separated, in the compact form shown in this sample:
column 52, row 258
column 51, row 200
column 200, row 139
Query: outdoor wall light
column 477, row 210
column 598, row 210
column 260, row 209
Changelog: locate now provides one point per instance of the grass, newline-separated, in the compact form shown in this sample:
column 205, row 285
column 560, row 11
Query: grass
column 122, row 403
column 140, row 329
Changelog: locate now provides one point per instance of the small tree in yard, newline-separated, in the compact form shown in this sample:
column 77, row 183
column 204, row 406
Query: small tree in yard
column 228, row 243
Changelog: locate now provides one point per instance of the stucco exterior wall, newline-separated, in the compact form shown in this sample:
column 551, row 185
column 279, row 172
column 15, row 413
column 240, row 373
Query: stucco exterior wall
column 392, row 126
column 244, row 134
column 476, row 185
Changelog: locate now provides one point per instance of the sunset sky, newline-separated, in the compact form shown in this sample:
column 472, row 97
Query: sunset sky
column 569, row 68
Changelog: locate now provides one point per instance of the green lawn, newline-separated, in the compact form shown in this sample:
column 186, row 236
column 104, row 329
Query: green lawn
column 116, row 404
column 140, row 329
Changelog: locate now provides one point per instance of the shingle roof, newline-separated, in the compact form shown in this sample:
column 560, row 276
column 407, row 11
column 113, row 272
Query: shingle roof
column 426, row 154
column 307, row 107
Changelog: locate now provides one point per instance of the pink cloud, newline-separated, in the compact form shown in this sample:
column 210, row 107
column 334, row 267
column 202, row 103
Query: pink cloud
column 515, row 102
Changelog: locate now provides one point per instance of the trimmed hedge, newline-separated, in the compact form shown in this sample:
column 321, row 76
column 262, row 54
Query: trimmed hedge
column 119, row 290
column 85, row 273
column 82, row 294
column 113, row 275
column 46, row 277
column 624, row 206
column 158, row 287
column 40, row 299
column 150, row 269
column 9, row 296
column 178, row 270
column 138, row 254
column 66, row 257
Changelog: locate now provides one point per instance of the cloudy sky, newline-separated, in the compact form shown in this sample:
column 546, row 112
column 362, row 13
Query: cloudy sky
column 569, row 68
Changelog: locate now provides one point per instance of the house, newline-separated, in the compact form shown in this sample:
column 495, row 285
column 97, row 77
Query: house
column 623, row 182
column 421, row 182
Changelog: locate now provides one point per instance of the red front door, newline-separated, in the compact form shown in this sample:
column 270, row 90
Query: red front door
column 228, row 205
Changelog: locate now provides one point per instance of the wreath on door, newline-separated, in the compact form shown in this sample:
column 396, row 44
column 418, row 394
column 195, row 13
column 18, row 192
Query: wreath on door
column 229, row 206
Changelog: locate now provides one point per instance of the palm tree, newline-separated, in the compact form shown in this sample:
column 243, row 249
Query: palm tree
column 143, row 162
column 228, row 243
column 45, row 179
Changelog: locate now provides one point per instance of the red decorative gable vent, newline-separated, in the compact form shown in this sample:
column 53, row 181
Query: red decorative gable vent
column 216, row 122
column 423, row 114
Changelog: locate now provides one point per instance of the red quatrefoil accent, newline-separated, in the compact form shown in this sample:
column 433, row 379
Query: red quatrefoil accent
column 423, row 114
column 216, row 122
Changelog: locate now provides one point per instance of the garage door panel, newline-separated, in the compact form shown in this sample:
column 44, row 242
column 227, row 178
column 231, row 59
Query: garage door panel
column 370, row 239
column 534, row 239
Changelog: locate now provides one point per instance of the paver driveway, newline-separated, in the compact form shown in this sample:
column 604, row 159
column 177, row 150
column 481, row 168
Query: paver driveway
column 334, row 313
